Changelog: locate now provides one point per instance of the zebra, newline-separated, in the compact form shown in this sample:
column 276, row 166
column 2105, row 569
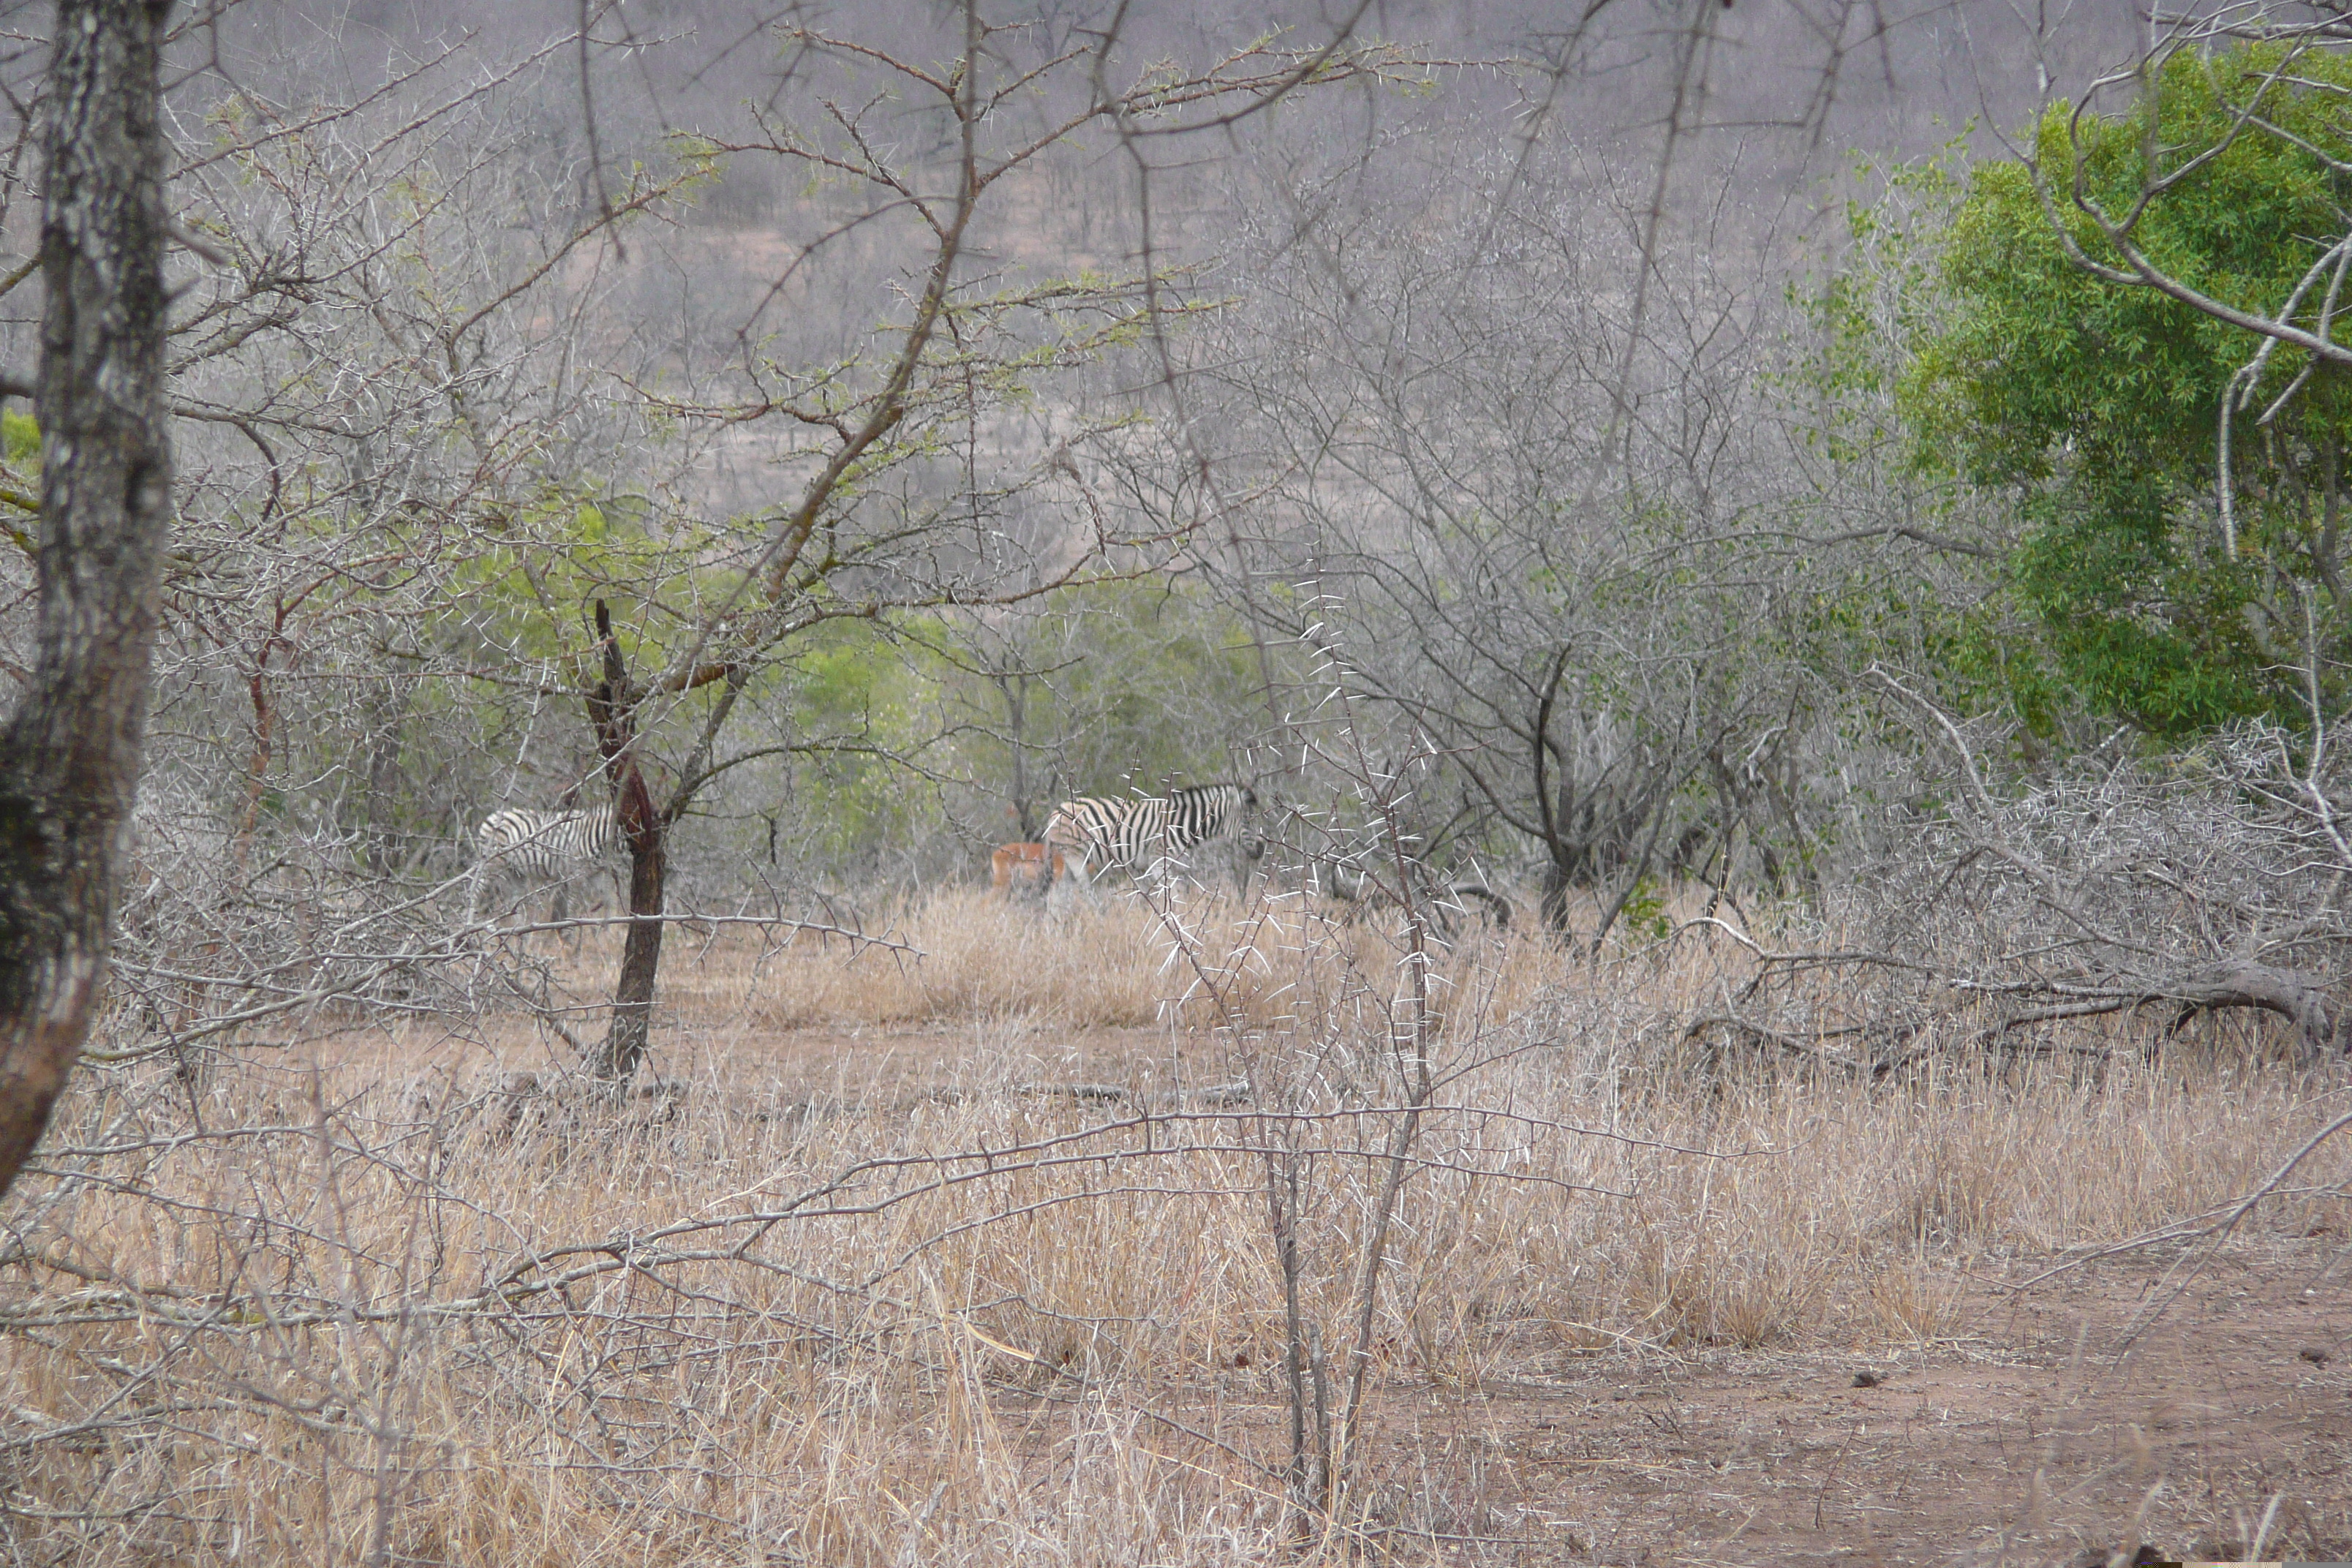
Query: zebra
column 1147, row 834
column 525, row 848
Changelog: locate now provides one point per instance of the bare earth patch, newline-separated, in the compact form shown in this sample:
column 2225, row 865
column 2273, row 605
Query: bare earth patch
column 2029, row 1441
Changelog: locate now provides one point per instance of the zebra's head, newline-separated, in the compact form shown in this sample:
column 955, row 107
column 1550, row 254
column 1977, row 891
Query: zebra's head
column 1251, row 835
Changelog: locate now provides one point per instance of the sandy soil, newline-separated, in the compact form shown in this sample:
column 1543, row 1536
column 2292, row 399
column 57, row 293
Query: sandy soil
column 2037, row 1440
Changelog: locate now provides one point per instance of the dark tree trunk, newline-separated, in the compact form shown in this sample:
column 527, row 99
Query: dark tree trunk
column 633, row 997
column 613, row 710
column 69, row 757
column 1016, row 692
column 2301, row 999
column 1551, row 816
column 1553, row 900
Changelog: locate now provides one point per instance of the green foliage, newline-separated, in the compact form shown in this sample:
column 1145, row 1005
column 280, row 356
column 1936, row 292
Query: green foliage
column 1870, row 316
column 910, row 729
column 857, row 698
column 1165, row 678
column 529, row 586
column 511, row 617
column 2098, row 403
column 1852, row 385
column 2039, row 352
column 21, row 435
column 1644, row 914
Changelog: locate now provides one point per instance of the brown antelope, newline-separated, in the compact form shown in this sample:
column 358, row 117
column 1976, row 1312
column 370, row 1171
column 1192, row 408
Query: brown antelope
column 1022, row 866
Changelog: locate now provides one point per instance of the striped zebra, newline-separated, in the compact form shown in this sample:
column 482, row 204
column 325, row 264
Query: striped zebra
column 523, row 849
column 1149, row 835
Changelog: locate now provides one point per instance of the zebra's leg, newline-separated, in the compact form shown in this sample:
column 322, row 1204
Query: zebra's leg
column 1249, row 857
column 511, row 906
column 473, row 936
column 1075, row 876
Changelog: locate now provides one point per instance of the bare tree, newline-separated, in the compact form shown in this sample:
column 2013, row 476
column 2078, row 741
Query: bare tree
column 1602, row 619
column 901, row 470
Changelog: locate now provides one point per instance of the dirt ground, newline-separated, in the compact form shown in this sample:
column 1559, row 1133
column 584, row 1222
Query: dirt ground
column 2038, row 1440
column 2048, row 1436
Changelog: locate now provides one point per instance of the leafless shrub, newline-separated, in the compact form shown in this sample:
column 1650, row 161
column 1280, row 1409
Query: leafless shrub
column 2109, row 887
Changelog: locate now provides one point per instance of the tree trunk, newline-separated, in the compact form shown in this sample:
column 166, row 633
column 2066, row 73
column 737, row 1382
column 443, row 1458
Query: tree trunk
column 69, row 757
column 632, row 996
column 613, row 710
column 1554, row 898
column 2301, row 999
column 1016, row 692
column 257, row 763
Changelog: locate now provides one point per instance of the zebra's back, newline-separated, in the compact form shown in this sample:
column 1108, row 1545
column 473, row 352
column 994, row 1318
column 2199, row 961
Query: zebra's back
column 1137, row 829
column 545, row 843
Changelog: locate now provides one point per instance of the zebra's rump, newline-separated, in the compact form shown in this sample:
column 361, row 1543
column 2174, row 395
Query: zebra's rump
column 546, row 843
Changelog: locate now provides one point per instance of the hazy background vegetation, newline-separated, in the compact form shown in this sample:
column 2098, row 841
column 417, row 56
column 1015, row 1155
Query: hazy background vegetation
column 1550, row 354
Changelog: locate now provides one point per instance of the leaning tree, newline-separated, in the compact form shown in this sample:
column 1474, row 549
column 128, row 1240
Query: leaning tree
column 69, row 757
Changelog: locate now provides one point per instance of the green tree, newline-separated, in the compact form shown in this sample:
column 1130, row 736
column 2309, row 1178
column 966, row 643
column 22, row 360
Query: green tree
column 2179, row 478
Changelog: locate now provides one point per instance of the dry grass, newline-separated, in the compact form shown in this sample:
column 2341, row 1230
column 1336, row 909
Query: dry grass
column 311, row 1312
column 1122, row 963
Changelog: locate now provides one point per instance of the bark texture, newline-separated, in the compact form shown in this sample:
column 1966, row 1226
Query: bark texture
column 69, row 757
column 2299, row 998
column 612, row 709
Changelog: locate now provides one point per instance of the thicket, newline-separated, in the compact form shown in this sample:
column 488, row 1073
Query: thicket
column 1629, row 530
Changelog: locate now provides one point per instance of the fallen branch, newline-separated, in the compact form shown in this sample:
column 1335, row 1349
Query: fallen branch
column 2297, row 997
column 1734, row 1024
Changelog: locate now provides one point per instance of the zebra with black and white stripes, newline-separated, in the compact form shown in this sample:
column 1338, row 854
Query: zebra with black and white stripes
column 523, row 849
column 1149, row 835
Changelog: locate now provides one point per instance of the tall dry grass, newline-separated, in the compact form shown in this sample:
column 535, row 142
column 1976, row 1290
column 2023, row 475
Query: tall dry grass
column 1125, row 962
column 369, row 1300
